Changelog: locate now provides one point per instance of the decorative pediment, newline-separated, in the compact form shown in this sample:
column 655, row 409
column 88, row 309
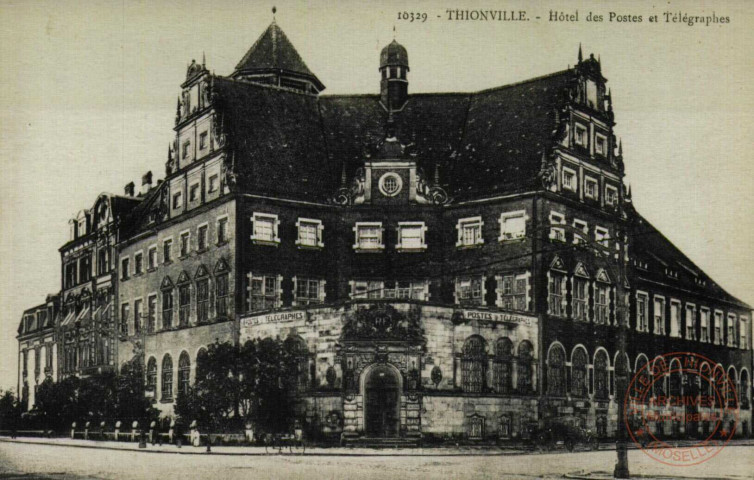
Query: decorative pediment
column 221, row 266
column 602, row 276
column 383, row 322
column 200, row 272
column 581, row 271
column 166, row 284
column 557, row 264
column 183, row 278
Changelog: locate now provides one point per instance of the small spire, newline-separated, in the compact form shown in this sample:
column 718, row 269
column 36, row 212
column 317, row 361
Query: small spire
column 204, row 60
column 393, row 32
column 274, row 11
column 620, row 147
column 581, row 56
column 437, row 173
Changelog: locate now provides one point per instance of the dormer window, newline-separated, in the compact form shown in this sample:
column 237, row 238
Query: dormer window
column 265, row 227
column 469, row 232
column 368, row 236
column 512, row 225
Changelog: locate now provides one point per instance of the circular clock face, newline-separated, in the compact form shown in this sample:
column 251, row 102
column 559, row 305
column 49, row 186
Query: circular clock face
column 391, row 184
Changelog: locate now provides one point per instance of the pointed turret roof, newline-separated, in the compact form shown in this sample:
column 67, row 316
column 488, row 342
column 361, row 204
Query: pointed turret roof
column 274, row 52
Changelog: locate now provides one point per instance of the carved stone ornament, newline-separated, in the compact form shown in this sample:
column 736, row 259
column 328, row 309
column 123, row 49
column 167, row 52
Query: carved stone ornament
column 217, row 130
column 548, row 173
column 353, row 194
column 427, row 192
column 383, row 322
column 206, row 90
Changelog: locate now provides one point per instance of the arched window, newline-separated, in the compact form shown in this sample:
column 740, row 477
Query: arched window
column 473, row 364
column 732, row 393
column 201, row 364
column 556, row 381
column 718, row 379
column 524, row 371
column 578, row 373
column 600, row 375
column 167, row 378
column 503, row 368
column 184, row 373
column 660, row 367
column 296, row 346
column 152, row 374
column 743, row 393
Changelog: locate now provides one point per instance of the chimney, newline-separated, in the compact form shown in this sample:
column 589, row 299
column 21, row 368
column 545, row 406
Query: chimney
column 146, row 182
column 129, row 189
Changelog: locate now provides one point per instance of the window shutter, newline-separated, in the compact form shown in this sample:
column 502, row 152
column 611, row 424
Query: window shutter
column 278, row 285
column 321, row 292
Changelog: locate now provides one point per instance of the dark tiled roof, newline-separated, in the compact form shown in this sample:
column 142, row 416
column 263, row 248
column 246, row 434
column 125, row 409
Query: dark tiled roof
column 651, row 246
column 294, row 144
column 273, row 50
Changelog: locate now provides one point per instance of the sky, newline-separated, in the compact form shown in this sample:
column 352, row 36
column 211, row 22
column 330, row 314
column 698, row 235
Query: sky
column 89, row 90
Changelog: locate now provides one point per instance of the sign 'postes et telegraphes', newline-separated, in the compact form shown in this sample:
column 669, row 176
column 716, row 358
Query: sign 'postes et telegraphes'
column 267, row 318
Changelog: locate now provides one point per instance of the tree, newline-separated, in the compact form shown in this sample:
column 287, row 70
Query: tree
column 10, row 411
column 255, row 382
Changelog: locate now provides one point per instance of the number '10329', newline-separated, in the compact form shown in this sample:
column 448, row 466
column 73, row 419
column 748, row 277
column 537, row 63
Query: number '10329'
column 413, row 16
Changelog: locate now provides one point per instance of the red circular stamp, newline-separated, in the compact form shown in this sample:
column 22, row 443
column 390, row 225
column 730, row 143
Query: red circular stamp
column 681, row 408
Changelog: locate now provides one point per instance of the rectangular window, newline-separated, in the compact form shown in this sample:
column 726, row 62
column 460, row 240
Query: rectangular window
column 569, row 179
column 512, row 225
column 642, row 315
column 167, row 246
column 411, row 236
column 659, row 316
column 675, row 318
column 124, row 269
column 743, row 343
column 212, row 184
column 185, row 244
column 512, row 292
column 601, row 304
column 138, row 264
column 103, row 263
column 611, row 195
column 556, row 294
column 137, row 316
column 186, row 146
column 203, row 140
column 469, row 232
column 167, row 309
column 368, row 236
column 583, row 227
column 151, row 313
column 222, row 230
column 265, row 227
column 308, row 291
column 85, row 269
column 718, row 327
column 591, row 188
column 470, row 290
column 600, row 144
column 406, row 289
column 177, row 200
column 194, row 192
column 202, row 300
column 184, row 304
column 602, row 236
column 367, row 289
column 581, row 135
column 690, row 322
column 705, row 325
column 202, row 238
column 580, row 299
column 223, row 295
column 731, row 330
column 264, row 292
column 152, row 258
column 557, row 233
column 125, row 314
column 309, row 232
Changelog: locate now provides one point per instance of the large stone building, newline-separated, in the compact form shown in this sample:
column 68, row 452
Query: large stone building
column 447, row 264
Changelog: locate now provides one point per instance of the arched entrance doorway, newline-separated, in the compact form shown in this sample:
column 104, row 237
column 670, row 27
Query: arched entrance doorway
column 382, row 402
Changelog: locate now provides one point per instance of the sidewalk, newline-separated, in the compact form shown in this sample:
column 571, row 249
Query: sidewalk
column 313, row 451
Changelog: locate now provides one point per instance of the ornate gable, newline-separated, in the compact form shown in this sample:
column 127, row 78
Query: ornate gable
column 166, row 284
column 201, row 272
column 602, row 276
column 557, row 264
column 581, row 271
column 221, row 267
column 183, row 278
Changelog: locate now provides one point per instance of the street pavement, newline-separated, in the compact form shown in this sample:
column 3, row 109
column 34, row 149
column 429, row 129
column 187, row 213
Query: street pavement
column 71, row 460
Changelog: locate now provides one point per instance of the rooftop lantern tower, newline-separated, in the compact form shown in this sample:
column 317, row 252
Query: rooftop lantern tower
column 394, row 82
